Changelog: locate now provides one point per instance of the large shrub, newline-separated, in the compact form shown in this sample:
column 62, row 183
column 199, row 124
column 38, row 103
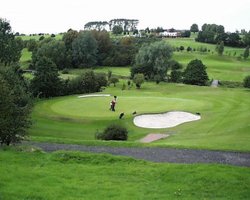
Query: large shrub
column 152, row 59
column 85, row 83
column 195, row 73
column 15, row 106
column 46, row 82
column 246, row 82
column 113, row 132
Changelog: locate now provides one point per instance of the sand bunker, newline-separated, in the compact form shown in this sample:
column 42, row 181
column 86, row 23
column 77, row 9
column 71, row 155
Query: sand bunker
column 94, row 95
column 164, row 120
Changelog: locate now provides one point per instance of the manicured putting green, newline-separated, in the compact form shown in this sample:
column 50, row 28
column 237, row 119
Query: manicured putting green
column 98, row 107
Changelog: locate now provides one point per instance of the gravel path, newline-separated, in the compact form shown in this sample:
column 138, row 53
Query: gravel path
column 158, row 154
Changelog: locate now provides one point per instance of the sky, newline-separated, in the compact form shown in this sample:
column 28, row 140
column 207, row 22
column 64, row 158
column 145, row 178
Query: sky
column 55, row 16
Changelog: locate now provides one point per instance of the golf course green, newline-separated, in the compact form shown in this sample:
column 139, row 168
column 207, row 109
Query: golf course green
column 223, row 125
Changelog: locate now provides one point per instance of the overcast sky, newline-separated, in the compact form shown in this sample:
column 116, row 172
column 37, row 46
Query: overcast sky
column 54, row 16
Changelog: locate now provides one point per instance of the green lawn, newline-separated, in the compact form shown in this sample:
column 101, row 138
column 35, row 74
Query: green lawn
column 74, row 175
column 190, row 42
column 224, row 124
column 122, row 72
column 224, row 68
column 25, row 58
column 36, row 37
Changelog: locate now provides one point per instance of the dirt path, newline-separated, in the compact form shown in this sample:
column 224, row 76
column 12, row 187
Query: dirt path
column 157, row 154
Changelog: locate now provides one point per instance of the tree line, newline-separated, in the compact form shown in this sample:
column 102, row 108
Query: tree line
column 215, row 34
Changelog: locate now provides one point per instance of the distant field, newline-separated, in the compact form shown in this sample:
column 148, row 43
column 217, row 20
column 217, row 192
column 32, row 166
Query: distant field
column 72, row 119
column 118, row 71
column 36, row 37
column 74, row 175
column 190, row 42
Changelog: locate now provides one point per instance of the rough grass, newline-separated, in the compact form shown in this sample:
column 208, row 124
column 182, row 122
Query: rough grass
column 74, row 175
column 71, row 118
column 25, row 58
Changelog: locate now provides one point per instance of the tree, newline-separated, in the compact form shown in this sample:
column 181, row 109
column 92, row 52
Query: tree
column 84, row 50
column 138, row 80
column 152, row 60
column 246, row 53
column 104, row 45
column 54, row 50
column 194, row 28
column 15, row 106
column 220, row 48
column 246, row 39
column 186, row 33
column 31, row 45
column 176, row 73
column 46, row 82
column 96, row 25
column 181, row 48
column 86, row 83
column 195, row 73
column 10, row 47
column 246, row 82
column 69, row 37
column 117, row 30
column 114, row 80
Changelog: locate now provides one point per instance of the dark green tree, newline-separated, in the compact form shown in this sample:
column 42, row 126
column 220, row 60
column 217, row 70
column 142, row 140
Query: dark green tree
column 46, row 82
column 246, row 39
column 152, row 60
column 69, row 37
column 220, row 48
column 114, row 80
column 246, row 82
column 176, row 73
column 194, row 28
column 84, row 50
column 138, row 80
column 10, row 47
column 195, row 73
column 186, row 33
column 54, row 50
column 15, row 106
column 32, row 45
column 117, row 30
column 246, row 53
column 104, row 45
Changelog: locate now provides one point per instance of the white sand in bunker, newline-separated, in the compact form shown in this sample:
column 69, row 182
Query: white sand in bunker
column 164, row 120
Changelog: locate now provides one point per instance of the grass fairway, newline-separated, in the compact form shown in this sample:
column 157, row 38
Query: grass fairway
column 224, row 120
column 74, row 175
column 224, row 68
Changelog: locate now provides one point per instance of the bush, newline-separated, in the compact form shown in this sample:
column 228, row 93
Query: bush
column 246, row 82
column 176, row 76
column 195, row 73
column 230, row 84
column 113, row 132
column 65, row 71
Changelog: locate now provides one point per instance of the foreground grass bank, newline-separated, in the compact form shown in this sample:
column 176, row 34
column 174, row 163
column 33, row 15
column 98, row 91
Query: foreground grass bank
column 224, row 123
column 74, row 175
